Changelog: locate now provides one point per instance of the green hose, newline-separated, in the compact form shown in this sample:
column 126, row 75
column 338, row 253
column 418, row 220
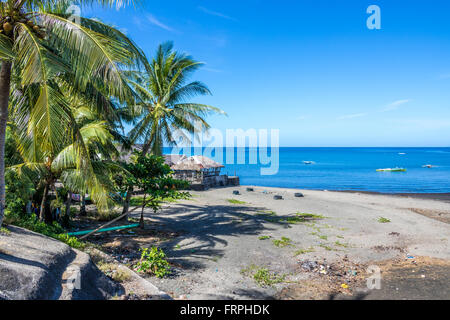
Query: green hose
column 80, row 233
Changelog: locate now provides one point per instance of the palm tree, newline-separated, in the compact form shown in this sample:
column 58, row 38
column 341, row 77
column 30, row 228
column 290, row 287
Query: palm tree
column 42, row 49
column 82, row 163
column 165, row 91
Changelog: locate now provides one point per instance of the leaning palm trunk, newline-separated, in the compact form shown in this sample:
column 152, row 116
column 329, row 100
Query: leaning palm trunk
column 5, row 79
column 126, row 205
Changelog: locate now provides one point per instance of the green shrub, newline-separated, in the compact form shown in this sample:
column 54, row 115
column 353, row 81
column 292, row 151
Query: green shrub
column 139, row 201
column 53, row 230
column 18, row 191
column 153, row 261
column 4, row 230
column 70, row 241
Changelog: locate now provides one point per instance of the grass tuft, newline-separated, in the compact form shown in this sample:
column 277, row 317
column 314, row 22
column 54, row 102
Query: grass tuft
column 4, row 230
column 303, row 251
column 326, row 247
column 345, row 245
column 283, row 242
column 235, row 201
column 262, row 276
column 310, row 216
column 112, row 271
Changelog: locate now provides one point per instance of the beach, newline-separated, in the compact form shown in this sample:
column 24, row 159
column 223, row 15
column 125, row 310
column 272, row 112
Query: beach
column 251, row 246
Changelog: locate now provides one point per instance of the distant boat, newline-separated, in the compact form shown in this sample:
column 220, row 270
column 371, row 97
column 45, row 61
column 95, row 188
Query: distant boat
column 428, row 166
column 308, row 162
column 392, row 170
column 401, row 153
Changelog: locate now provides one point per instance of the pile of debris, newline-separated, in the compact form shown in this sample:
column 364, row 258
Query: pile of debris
column 343, row 276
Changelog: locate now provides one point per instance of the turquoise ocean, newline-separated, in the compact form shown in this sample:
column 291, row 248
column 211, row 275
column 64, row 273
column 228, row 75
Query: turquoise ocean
column 343, row 168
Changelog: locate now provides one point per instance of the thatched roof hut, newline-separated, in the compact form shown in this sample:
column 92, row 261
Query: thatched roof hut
column 196, row 163
column 172, row 159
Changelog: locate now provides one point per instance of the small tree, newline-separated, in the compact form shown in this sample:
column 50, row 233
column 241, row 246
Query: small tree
column 155, row 179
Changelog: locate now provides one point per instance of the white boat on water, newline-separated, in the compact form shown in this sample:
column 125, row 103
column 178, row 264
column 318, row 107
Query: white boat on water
column 392, row 170
column 308, row 162
column 428, row 166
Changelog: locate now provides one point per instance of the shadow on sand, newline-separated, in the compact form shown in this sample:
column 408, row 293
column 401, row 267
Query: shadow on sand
column 203, row 228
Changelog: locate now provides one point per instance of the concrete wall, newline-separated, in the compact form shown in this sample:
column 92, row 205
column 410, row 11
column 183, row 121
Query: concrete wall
column 215, row 181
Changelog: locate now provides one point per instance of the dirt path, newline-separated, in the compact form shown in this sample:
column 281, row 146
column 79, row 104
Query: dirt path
column 255, row 247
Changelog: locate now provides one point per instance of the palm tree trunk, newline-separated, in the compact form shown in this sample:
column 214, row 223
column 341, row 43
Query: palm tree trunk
column 5, row 80
column 44, row 201
column 68, row 202
column 145, row 148
column 83, row 205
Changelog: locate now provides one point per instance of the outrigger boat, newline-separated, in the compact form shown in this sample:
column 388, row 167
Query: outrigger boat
column 392, row 170
column 308, row 162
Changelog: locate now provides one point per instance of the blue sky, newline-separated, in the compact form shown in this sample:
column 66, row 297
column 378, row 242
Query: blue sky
column 312, row 68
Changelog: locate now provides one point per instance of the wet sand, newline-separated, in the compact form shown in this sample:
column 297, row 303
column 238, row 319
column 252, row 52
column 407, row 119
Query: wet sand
column 429, row 196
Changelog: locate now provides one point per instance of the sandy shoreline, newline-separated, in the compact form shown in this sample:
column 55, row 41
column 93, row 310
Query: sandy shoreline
column 221, row 244
column 444, row 196
column 222, row 236
column 440, row 213
column 432, row 196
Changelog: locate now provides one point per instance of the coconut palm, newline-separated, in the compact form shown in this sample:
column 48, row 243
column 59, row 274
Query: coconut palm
column 165, row 92
column 82, row 164
column 41, row 50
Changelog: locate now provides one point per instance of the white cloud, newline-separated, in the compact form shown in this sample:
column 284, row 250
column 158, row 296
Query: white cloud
column 212, row 70
column 215, row 13
column 422, row 124
column 137, row 21
column 152, row 19
column 394, row 105
column 219, row 41
column 352, row 116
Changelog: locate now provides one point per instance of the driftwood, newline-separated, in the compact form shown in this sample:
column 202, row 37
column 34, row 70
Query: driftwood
column 111, row 222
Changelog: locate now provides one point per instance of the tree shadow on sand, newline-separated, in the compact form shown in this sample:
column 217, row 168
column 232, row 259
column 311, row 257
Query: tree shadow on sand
column 202, row 229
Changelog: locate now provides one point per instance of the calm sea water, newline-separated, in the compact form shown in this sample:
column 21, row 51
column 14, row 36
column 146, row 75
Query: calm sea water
column 349, row 169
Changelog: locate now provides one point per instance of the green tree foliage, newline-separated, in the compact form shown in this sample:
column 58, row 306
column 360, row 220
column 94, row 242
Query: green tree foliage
column 150, row 174
column 18, row 193
column 49, row 61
